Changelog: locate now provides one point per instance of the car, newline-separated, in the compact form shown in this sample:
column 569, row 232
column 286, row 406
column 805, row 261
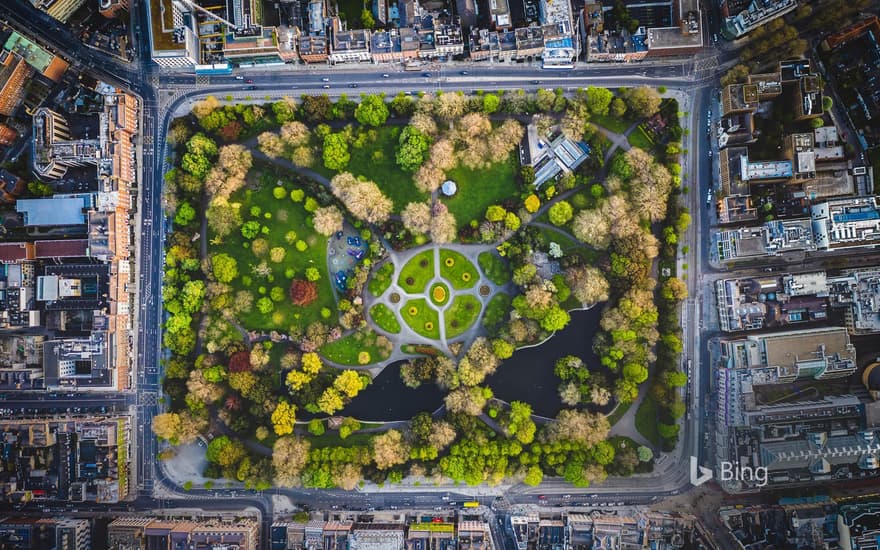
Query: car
column 250, row 87
column 353, row 85
column 710, row 153
column 325, row 79
column 326, row 86
column 249, row 81
column 566, row 497
column 536, row 81
column 542, row 497
column 239, row 77
column 386, row 75
column 464, row 73
column 426, row 75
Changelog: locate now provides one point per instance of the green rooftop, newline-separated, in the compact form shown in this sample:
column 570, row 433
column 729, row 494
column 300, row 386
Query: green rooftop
column 34, row 55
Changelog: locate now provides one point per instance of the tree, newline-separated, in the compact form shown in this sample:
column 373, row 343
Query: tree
column 372, row 110
column 736, row 74
column 349, row 425
column 349, row 383
column 316, row 108
column 303, row 293
column 635, row 372
column 491, row 103
column 330, row 401
column 570, row 393
column 587, row 284
column 560, row 213
column 416, row 217
column 578, row 426
column 413, row 144
column 270, row 144
column 167, row 426
column 363, row 199
column 289, row 456
column 328, row 220
column 336, row 155
column 520, row 424
column 555, row 319
column 466, row 400
column 284, row 418
column 224, row 451
column 598, row 100
column 367, row 19
column 185, row 214
column 674, row 290
column 534, row 476
column 443, row 225
column 224, row 267
column 389, row 449
column 643, row 101
column 442, row 436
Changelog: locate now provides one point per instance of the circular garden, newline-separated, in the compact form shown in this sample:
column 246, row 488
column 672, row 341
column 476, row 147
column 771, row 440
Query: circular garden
column 435, row 288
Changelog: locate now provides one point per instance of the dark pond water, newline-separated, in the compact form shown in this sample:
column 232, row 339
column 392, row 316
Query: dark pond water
column 388, row 398
column 527, row 376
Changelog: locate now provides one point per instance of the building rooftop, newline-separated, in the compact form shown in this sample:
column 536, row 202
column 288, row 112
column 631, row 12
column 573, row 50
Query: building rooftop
column 50, row 66
column 846, row 223
column 59, row 210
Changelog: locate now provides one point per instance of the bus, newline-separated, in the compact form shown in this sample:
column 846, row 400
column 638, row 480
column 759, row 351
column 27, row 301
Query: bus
column 471, row 504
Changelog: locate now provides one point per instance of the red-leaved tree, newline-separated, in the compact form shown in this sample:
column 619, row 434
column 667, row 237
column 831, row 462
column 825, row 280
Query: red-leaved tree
column 303, row 293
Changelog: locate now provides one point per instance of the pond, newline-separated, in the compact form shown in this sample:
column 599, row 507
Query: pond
column 526, row 376
column 388, row 398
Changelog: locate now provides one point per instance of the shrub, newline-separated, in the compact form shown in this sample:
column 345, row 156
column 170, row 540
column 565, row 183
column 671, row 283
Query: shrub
column 311, row 205
column 301, row 246
column 279, row 192
column 312, row 274
column 297, row 195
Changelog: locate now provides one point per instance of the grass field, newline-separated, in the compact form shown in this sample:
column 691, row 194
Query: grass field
column 462, row 274
column 480, row 188
column 461, row 314
column 616, row 125
column 421, row 317
column 646, row 420
column 346, row 350
column 639, row 138
column 414, row 276
column 381, row 279
column 495, row 268
column 496, row 310
column 376, row 161
column 385, row 318
column 286, row 216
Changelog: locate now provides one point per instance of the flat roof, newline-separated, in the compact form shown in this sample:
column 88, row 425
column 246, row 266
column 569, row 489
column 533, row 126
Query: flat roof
column 53, row 211
column 162, row 26
column 51, row 66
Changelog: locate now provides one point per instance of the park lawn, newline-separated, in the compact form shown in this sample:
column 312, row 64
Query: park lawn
column 496, row 310
column 480, row 188
column 376, row 162
column 646, row 420
column 346, row 350
column 461, row 274
column 494, row 267
column 381, row 279
column 639, row 138
column 285, row 315
column 385, row 318
column 609, row 122
column 424, row 320
column 332, row 439
column 417, row 272
column 461, row 315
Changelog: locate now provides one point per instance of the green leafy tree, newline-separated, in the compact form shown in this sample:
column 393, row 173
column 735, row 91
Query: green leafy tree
column 371, row 111
column 336, row 155
column 555, row 319
column 316, row 426
column 367, row 19
column 491, row 103
column 598, row 100
column 413, row 147
column 185, row 213
column 560, row 213
column 224, row 267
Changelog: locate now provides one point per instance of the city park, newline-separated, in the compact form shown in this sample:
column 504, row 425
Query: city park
column 316, row 243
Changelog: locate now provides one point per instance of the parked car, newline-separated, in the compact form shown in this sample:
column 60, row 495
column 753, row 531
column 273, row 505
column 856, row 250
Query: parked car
column 239, row 77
